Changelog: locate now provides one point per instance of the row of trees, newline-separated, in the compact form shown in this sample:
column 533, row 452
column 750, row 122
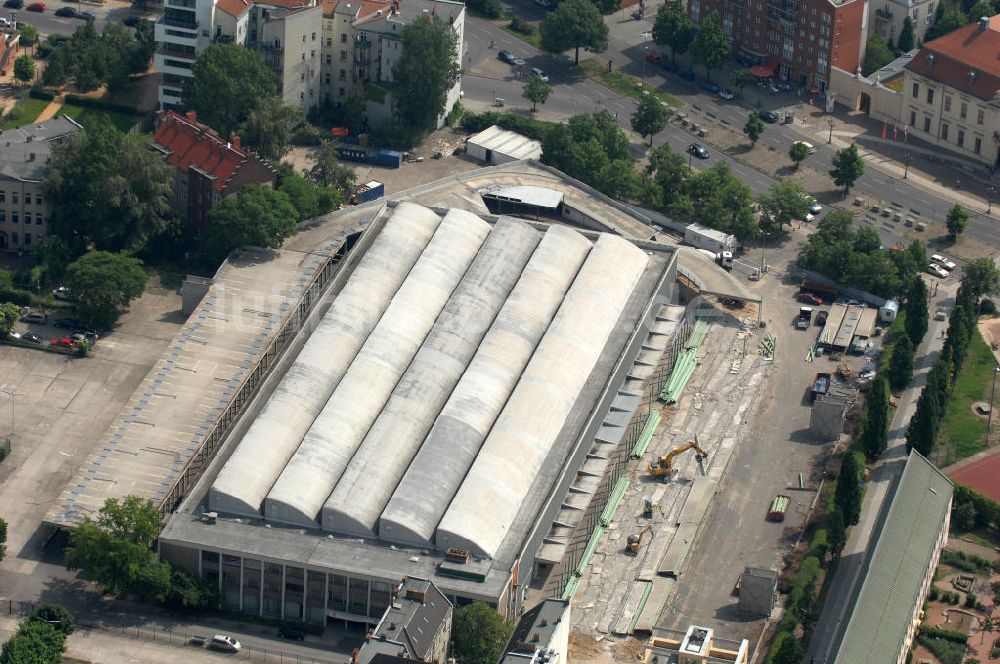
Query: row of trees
column 40, row 638
column 708, row 43
column 981, row 278
column 90, row 59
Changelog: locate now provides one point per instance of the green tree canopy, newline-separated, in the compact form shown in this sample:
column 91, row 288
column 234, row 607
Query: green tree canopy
column 57, row 616
column 593, row 149
column 923, row 426
column 798, row 153
column 980, row 9
column 9, row 314
column 574, row 24
column 28, row 32
column 901, row 363
column 536, row 91
column 949, row 21
column 52, row 256
column 754, row 128
column 848, row 166
column 786, row 202
column 35, row 642
column 269, row 126
column 650, row 117
column 673, row 28
column 711, row 47
column 981, row 277
column 329, row 171
column 741, row 78
column 426, row 72
column 877, row 55
column 875, row 430
column 230, row 82
column 92, row 59
column 107, row 189
column 479, row 634
column 308, row 199
column 917, row 315
column 257, row 216
column 131, row 519
column 847, row 496
column 956, row 221
column 789, row 652
column 906, row 40
column 836, row 535
column 103, row 284
column 24, row 68
column 3, row 539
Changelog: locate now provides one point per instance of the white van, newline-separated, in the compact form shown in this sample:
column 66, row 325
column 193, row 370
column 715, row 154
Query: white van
column 809, row 146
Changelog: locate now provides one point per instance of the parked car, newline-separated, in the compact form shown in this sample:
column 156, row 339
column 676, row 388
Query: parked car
column 507, row 57
column 809, row 298
column 86, row 16
column 67, row 12
column 687, row 75
column 4, row 22
column 937, row 270
column 537, row 71
column 31, row 337
column 654, row 57
column 710, row 87
column 290, row 632
column 821, row 318
column 226, row 643
column 726, row 95
column 35, row 317
column 13, row 4
column 63, row 342
column 940, row 315
column 944, row 262
column 36, row 7
column 68, row 323
column 698, row 150
column 63, row 293
column 769, row 116
column 815, row 207
column 854, row 303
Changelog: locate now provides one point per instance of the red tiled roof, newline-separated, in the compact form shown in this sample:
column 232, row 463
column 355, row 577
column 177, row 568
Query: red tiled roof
column 362, row 7
column 234, row 7
column 967, row 59
column 190, row 144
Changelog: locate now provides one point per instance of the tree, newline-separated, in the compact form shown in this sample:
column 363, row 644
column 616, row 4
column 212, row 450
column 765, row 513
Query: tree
column 847, row 496
column 901, row 363
column 789, row 652
column 9, row 313
column 673, row 28
column 949, row 21
column 955, row 223
column 190, row 593
column 906, row 39
column 51, row 256
column 24, row 68
column 980, row 9
column 426, row 72
column 309, row 200
column 328, row 171
column 711, row 46
column 35, row 642
column 923, row 426
column 964, row 515
column 594, row 149
column 257, row 216
column 875, row 431
column 131, row 519
column 29, row 34
column 3, row 539
column 57, row 616
column 268, row 128
column 650, row 117
column 229, row 83
column 104, row 283
column 981, row 277
column 836, row 533
column 741, row 78
column 574, row 24
column 785, row 202
column 670, row 171
column 754, row 128
column 917, row 316
column 479, row 633
column 848, row 166
column 798, row 153
column 536, row 91
column 107, row 189
column 877, row 55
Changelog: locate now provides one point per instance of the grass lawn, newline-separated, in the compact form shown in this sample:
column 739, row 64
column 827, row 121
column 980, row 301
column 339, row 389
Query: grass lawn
column 24, row 112
column 535, row 38
column 82, row 114
column 624, row 84
column 962, row 432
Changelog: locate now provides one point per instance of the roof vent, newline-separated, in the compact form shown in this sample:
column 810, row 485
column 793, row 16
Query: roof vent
column 972, row 77
column 930, row 59
column 984, row 23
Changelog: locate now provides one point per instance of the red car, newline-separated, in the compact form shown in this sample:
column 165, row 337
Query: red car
column 63, row 342
column 36, row 7
column 653, row 56
column 809, row 298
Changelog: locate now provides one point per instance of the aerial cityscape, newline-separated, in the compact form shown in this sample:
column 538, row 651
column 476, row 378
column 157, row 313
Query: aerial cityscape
column 499, row 331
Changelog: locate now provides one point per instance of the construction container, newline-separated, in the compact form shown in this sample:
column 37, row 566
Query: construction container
column 388, row 158
column 370, row 191
column 779, row 506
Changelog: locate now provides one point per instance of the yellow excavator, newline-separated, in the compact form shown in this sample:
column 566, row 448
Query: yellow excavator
column 664, row 466
column 635, row 541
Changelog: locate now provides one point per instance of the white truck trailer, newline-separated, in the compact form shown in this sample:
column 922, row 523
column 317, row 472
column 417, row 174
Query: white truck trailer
column 715, row 241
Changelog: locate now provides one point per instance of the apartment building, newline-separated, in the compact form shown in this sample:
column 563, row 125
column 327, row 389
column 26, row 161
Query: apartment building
column 798, row 39
column 951, row 92
column 287, row 34
column 889, row 16
column 182, row 32
column 24, row 159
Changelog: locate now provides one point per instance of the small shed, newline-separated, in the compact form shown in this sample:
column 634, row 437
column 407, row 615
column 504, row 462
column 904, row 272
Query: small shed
column 495, row 146
column 888, row 311
column 758, row 591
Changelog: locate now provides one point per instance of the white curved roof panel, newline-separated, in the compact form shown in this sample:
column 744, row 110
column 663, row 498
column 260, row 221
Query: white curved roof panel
column 491, row 496
column 277, row 431
column 436, row 473
column 313, row 471
column 370, row 478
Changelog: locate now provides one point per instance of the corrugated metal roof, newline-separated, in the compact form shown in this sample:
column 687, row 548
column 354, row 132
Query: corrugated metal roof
column 892, row 587
column 507, row 142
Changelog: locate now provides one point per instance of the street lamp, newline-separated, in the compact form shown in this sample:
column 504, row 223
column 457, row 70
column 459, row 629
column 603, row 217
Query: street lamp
column 10, row 395
column 989, row 416
column 906, row 164
column 763, row 244
column 830, row 122
column 992, row 190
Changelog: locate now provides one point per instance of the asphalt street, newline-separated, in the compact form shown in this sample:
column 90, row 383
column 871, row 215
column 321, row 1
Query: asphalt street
column 488, row 78
column 49, row 24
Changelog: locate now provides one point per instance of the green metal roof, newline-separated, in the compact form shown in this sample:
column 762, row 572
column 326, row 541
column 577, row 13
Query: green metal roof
column 899, row 562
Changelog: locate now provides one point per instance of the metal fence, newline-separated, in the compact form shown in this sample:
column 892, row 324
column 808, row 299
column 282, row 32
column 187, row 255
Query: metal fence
column 11, row 607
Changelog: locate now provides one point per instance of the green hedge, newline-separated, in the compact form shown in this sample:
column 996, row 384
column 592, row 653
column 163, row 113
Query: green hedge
column 100, row 104
column 15, row 296
column 41, row 93
column 947, row 634
column 966, row 562
column 536, row 129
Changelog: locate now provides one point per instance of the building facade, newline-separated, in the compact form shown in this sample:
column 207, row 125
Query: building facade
column 951, row 92
column 207, row 168
column 889, row 16
column 24, row 158
column 288, row 39
column 182, row 33
column 799, row 39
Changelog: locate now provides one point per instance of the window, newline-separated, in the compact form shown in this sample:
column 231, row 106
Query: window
column 963, row 110
column 27, row 198
column 13, row 239
column 979, row 117
column 913, row 118
column 342, row 92
column 13, row 197
column 327, row 81
column 3, row 215
column 961, row 138
column 329, row 41
column 977, row 145
column 39, row 219
column 343, row 56
column 930, row 96
column 927, row 125
column 38, row 197
column 27, row 218
column 3, row 196
column 916, row 90
column 947, row 104
column 329, row 59
column 13, row 216
column 303, row 39
column 303, row 56
column 27, row 239
column 314, row 36
column 312, row 54
column 343, row 74
column 343, row 38
column 944, row 132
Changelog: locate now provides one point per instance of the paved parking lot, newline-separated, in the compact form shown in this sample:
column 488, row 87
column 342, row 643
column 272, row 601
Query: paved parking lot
column 62, row 406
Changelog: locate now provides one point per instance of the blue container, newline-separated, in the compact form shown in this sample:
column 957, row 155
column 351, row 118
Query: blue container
column 388, row 158
column 371, row 191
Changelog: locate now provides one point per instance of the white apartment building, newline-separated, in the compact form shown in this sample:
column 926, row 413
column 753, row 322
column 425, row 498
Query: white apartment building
column 182, row 32
column 289, row 40
column 890, row 15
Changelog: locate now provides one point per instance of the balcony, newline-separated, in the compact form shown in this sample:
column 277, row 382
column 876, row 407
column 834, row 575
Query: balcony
column 175, row 22
column 172, row 50
column 883, row 14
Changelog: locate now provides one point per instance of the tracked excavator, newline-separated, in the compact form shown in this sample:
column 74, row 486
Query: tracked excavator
column 635, row 541
column 664, row 466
